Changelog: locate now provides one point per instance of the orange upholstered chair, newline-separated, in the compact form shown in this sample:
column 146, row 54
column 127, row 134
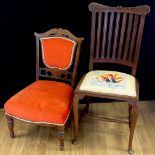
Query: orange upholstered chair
column 47, row 101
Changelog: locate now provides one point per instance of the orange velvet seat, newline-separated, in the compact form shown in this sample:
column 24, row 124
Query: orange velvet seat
column 42, row 102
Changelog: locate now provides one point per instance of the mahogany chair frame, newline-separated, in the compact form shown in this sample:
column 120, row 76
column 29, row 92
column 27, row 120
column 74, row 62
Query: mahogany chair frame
column 113, row 53
column 69, row 75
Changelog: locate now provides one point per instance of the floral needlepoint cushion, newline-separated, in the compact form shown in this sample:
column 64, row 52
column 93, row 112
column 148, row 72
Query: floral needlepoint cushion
column 110, row 82
column 57, row 52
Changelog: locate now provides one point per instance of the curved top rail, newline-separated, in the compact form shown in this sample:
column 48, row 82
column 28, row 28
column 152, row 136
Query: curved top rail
column 141, row 10
column 59, row 32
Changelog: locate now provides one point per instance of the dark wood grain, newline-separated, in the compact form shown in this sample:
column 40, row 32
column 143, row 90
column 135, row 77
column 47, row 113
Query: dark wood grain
column 128, row 37
column 116, row 36
column 135, row 25
column 122, row 36
column 92, row 41
column 10, row 122
column 141, row 10
column 110, row 34
column 98, row 34
column 104, row 35
column 138, row 41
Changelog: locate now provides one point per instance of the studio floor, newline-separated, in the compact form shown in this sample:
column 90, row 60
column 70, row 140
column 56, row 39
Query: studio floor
column 95, row 138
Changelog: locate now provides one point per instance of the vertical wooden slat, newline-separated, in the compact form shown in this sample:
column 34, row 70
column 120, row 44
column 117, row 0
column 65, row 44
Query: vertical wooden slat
column 133, row 37
column 104, row 34
column 139, row 37
column 76, row 65
column 128, row 37
column 92, row 40
column 110, row 34
column 98, row 34
column 37, row 58
column 122, row 36
column 116, row 35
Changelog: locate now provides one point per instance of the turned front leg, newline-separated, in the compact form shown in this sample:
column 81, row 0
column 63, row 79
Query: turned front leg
column 87, row 104
column 133, row 121
column 76, row 118
column 10, row 123
column 61, row 137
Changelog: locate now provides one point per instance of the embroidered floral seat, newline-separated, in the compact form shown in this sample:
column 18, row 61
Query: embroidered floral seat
column 109, row 82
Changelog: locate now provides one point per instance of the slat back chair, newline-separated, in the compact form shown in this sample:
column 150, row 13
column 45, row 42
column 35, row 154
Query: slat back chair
column 116, row 34
column 48, row 100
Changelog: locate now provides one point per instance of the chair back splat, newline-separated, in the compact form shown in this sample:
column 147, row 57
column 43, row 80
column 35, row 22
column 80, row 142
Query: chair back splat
column 68, row 74
column 116, row 34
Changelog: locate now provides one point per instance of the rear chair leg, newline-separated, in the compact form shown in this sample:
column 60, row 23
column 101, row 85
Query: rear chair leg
column 87, row 104
column 10, row 125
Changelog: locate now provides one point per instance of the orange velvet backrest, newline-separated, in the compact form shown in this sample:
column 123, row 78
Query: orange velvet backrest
column 57, row 52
